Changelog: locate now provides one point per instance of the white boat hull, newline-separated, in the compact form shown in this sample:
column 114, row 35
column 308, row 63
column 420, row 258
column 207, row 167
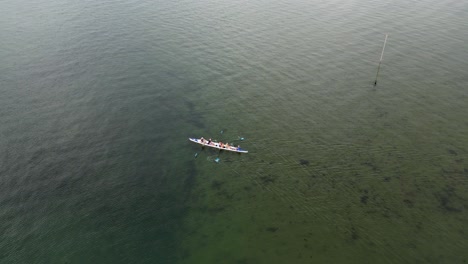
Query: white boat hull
column 216, row 145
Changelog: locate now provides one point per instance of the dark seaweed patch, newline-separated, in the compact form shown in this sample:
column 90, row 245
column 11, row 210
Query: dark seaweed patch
column 217, row 184
column 408, row 203
column 212, row 210
column 453, row 152
column 190, row 106
column 194, row 118
column 419, row 225
column 216, row 209
column 364, row 199
column 304, row 162
column 272, row 229
column 447, row 199
column 370, row 165
column 354, row 234
column 445, row 203
column 242, row 261
column 189, row 181
column 225, row 194
column 267, row 179
column 387, row 179
column 185, row 254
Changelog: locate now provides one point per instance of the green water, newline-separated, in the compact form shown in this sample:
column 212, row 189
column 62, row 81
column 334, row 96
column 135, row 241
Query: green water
column 99, row 99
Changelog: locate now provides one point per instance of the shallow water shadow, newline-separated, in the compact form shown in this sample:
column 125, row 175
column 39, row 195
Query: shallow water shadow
column 272, row 229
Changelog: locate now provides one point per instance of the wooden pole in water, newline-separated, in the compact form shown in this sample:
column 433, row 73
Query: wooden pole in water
column 380, row 62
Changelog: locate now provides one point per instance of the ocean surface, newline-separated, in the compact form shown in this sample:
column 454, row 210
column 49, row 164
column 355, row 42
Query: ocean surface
column 98, row 99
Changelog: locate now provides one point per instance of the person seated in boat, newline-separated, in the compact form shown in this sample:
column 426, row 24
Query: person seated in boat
column 226, row 145
column 202, row 140
column 209, row 141
column 220, row 144
column 238, row 148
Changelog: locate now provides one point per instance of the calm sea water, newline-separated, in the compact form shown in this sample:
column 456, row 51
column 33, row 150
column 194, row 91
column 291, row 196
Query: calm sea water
column 98, row 99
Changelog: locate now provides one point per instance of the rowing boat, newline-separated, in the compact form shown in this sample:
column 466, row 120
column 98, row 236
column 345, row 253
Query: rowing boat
column 217, row 145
